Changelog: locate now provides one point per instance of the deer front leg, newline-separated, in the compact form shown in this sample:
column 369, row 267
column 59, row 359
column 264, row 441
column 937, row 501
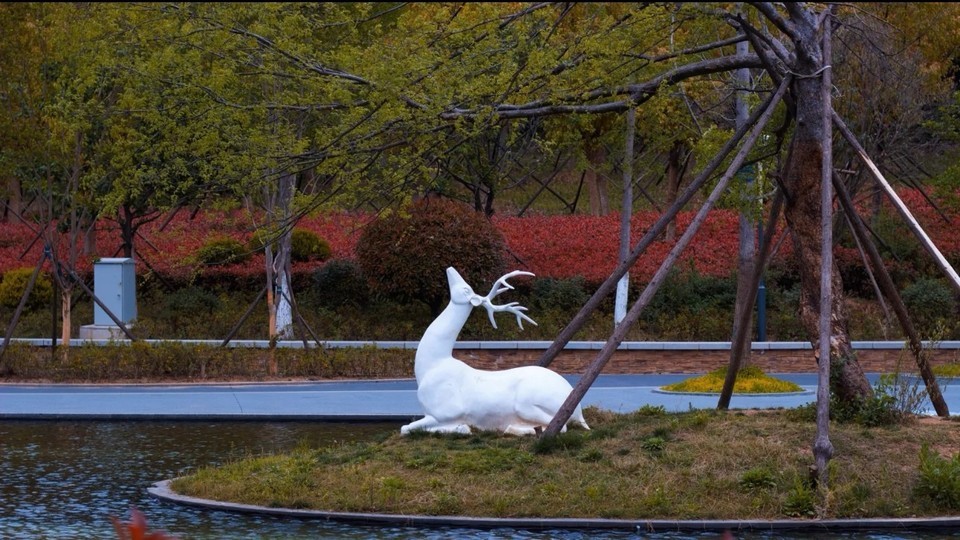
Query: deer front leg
column 424, row 423
column 429, row 423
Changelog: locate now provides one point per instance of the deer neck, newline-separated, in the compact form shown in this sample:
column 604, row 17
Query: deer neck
column 436, row 345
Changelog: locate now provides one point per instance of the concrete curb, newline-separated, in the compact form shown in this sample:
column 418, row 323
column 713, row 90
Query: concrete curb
column 161, row 490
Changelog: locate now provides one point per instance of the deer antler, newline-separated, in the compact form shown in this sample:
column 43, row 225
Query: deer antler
column 500, row 286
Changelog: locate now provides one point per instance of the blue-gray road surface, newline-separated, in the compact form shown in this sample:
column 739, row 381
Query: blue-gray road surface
column 346, row 400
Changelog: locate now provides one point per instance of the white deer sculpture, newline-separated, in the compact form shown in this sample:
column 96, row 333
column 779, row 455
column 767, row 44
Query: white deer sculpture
column 457, row 397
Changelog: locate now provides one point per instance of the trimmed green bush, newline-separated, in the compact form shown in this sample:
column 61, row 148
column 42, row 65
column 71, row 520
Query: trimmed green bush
column 308, row 246
column 15, row 282
column 405, row 255
column 562, row 294
column 340, row 282
column 693, row 306
column 222, row 251
column 694, row 292
column 929, row 301
column 140, row 360
column 305, row 245
column 189, row 304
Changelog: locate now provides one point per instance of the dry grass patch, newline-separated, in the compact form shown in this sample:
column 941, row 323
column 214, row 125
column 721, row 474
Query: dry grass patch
column 649, row 464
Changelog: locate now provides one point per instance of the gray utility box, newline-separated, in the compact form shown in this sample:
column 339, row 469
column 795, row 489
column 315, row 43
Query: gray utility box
column 115, row 284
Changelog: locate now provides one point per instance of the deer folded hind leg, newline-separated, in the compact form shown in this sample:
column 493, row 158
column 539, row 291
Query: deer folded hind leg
column 427, row 423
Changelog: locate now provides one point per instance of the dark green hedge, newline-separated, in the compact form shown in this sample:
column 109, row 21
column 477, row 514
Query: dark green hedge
column 141, row 361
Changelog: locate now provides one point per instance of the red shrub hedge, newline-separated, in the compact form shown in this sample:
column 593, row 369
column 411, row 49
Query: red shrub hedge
column 558, row 246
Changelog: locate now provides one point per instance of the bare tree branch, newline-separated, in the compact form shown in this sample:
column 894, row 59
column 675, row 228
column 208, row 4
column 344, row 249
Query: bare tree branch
column 768, row 10
column 693, row 50
column 635, row 93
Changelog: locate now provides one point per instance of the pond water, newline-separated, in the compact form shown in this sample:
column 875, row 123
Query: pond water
column 65, row 479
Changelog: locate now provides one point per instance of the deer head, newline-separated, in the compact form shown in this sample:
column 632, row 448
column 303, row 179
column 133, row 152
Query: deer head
column 461, row 293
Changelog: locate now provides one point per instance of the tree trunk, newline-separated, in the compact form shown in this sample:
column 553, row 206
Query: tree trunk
column 626, row 212
column 674, row 177
column 268, row 259
column 596, row 181
column 66, row 312
column 281, row 266
column 887, row 288
column 801, row 181
column 748, row 236
column 90, row 239
column 822, row 446
column 127, row 231
column 14, row 198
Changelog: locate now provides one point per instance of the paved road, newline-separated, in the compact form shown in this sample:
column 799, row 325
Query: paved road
column 344, row 400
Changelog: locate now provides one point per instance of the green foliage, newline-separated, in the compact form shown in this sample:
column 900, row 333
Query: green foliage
column 192, row 304
column 558, row 293
column 15, row 282
column 307, row 245
column 405, row 257
column 906, row 391
column 898, row 243
column 895, row 398
column 800, row 501
column 258, row 241
column 694, row 291
column 221, row 251
column 692, row 306
column 929, row 301
column 340, row 282
column 651, row 410
column 939, row 478
column 180, row 361
column 758, row 478
column 945, row 184
column 654, row 444
column 191, row 300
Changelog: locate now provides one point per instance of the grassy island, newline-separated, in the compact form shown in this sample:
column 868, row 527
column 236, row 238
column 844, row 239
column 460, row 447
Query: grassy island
column 750, row 380
column 701, row 464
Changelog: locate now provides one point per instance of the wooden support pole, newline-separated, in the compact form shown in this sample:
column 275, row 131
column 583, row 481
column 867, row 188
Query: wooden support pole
column 885, row 282
column 16, row 314
column 620, row 332
column 626, row 213
column 648, row 238
column 902, row 209
column 245, row 316
column 738, row 348
column 83, row 286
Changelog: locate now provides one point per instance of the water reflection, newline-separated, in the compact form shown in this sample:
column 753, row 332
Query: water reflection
column 66, row 479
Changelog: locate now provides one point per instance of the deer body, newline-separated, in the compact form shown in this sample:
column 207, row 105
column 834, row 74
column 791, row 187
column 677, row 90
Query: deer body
column 457, row 397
